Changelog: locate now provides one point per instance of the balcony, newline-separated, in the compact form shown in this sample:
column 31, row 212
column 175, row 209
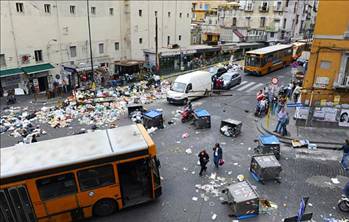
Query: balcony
column 263, row 8
column 256, row 38
column 248, row 9
column 278, row 8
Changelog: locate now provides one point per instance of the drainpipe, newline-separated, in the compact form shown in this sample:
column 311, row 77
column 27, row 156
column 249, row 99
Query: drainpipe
column 13, row 34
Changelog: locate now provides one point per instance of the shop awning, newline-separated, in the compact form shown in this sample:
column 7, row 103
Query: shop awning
column 87, row 68
column 10, row 72
column 37, row 68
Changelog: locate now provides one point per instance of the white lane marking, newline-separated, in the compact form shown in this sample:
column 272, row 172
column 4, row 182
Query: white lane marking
column 242, row 83
column 246, row 86
column 255, row 87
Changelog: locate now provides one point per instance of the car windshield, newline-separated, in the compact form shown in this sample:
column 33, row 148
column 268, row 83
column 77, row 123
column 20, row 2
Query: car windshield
column 227, row 77
column 178, row 87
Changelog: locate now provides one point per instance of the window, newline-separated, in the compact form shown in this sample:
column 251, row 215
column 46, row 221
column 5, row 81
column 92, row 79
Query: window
column 272, row 35
column 72, row 51
column 156, row 13
column 111, row 11
column 169, row 14
column 248, row 20
column 116, row 44
column 140, row 40
column 287, row 1
column 2, row 60
column 96, row 177
column 140, row 13
column 19, row 7
column 295, row 7
column 38, row 55
column 180, row 14
column 179, row 37
column 262, row 22
column 187, row 15
column 234, row 21
column 93, row 10
column 72, row 9
column 284, row 24
column 47, row 8
column 297, row 17
column 346, row 71
column 101, row 48
column 56, row 186
column 168, row 40
column 325, row 64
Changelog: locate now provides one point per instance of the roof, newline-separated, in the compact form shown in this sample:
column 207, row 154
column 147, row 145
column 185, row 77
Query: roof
column 37, row 68
column 10, row 72
column 269, row 49
column 49, row 154
column 269, row 139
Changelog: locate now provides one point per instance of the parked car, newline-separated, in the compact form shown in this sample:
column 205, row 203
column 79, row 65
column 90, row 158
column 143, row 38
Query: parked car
column 231, row 79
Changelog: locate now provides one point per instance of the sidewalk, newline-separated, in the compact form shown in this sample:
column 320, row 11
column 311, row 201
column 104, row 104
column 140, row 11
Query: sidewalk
column 327, row 138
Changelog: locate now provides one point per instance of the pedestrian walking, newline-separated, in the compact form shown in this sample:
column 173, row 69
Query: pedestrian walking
column 203, row 159
column 34, row 140
column 284, row 124
column 217, row 155
column 296, row 93
column 345, row 158
column 281, row 118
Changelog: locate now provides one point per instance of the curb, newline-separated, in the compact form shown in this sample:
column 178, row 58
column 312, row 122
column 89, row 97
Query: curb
column 288, row 140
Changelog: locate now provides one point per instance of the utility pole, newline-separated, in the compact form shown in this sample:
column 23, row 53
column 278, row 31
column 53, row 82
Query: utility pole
column 89, row 36
column 156, row 45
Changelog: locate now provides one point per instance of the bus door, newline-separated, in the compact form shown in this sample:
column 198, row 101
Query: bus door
column 59, row 194
column 15, row 205
column 135, row 182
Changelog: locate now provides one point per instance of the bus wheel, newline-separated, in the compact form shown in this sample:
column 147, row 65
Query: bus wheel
column 104, row 207
column 269, row 70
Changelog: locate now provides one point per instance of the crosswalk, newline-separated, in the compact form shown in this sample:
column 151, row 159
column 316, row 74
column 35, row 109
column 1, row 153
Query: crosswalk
column 248, row 87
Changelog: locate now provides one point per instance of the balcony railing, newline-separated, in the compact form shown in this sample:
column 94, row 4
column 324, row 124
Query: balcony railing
column 264, row 8
column 256, row 38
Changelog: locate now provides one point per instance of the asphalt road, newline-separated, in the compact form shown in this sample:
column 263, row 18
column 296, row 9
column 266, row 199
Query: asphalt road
column 304, row 173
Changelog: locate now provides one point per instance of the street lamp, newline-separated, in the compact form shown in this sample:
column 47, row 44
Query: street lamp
column 48, row 46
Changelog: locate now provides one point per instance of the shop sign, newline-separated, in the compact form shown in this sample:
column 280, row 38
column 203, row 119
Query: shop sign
column 336, row 99
column 189, row 51
column 321, row 82
column 344, row 118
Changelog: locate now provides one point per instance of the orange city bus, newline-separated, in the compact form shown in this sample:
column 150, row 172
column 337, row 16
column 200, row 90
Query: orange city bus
column 76, row 177
column 264, row 60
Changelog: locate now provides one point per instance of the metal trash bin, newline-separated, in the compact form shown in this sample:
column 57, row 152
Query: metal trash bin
column 268, row 144
column 134, row 107
column 265, row 167
column 230, row 127
column 242, row 199
column 202, row 119
column 153, row 118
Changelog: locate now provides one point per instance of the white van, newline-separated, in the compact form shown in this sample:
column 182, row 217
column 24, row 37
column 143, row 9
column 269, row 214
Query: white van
column 188, row 86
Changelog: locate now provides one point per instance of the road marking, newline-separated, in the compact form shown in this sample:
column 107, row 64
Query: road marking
column 246, row 86
column 255, row 87
column 237, row 86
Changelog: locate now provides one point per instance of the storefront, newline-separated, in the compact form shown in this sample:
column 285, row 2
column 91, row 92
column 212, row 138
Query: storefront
column 10, row 79
column 236, row 51
column 38, row 76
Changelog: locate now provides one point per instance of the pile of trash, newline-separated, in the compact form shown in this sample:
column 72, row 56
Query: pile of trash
column 212, row 188
column 97, row 108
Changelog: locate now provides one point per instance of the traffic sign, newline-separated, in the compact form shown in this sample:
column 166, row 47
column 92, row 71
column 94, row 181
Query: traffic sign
column 274, row 80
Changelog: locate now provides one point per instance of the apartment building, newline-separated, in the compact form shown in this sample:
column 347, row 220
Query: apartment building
column 268, row 21
column 46, row 41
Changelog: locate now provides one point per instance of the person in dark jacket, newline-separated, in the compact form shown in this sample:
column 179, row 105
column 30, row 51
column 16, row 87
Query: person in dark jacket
column 345, row 158
column 217, row 154
column 34, row 140
column 203, row 159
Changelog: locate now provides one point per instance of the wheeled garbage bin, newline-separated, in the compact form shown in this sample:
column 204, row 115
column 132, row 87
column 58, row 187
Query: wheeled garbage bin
column 153, row 118
column 265, row 167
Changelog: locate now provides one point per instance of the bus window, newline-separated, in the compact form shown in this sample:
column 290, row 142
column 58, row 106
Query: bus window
column 252, row 61
column 56, row 186
column 96, row 177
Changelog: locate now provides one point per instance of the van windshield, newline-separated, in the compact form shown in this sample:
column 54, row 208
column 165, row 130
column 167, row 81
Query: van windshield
column 178, row 87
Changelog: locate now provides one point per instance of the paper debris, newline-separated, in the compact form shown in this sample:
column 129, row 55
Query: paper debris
column 185, row 135
column 335, row 180
column 214, row 216
column 194, row 198
column 188, row 151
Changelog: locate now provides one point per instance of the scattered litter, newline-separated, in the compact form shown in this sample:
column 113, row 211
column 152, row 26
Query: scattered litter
column 178, row 142
column 185, row 169
column 197, row 132
column 240, row 177
column 241, row 143
column 193, row 172
column 229, row 172
column 185, row 135
column 310, row 204
column 211, row 204
column 188, row 151
column 335, row 180
column 161, row 178
column 214, row 216
column 223, row 143
column 152, row 130
column 235, row 164
column 213, row 176
column 249, row 148
column 194, row 198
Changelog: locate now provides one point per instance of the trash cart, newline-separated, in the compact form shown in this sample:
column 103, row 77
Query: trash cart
column 153, row 118
column 230, row 127
column 202, row 119
column 268, row 144
column 242, row 199
column 265, row 167
column 134, row 107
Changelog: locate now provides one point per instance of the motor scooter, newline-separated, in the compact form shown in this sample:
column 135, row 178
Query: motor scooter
column 186, row 115
column 343, row 204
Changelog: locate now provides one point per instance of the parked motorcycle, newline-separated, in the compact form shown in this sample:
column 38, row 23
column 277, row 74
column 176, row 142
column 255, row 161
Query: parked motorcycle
column 343, row 204
column 186, row 115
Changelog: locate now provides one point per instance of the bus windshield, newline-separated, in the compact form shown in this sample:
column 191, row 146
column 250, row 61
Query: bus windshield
column 253, row 61
column 178, row 87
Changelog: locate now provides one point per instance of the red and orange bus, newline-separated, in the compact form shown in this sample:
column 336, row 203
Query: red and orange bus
column 77, row 177
column 265, row 60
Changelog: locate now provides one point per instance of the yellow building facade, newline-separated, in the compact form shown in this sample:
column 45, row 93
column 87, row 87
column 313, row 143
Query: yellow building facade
column 327, row 76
